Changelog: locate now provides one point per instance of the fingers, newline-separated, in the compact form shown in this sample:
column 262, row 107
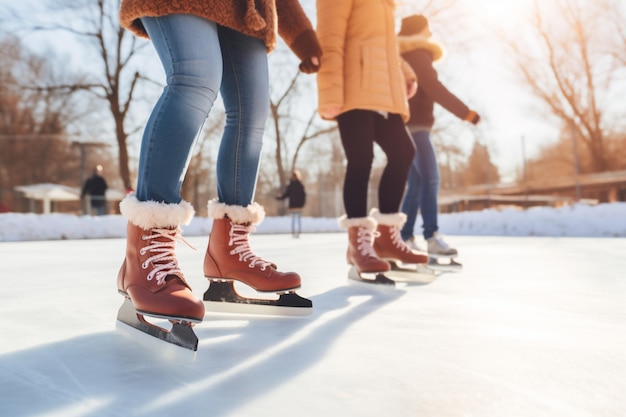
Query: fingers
column 330, row 112
column 411, row 88
column 310, row 65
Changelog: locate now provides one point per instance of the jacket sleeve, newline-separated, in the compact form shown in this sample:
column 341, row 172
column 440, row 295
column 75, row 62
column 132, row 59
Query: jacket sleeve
column 422, row 63
column 332, row 24
column 296, row 29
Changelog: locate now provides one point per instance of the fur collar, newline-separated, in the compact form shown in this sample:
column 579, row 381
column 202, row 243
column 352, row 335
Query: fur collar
column 413, row 42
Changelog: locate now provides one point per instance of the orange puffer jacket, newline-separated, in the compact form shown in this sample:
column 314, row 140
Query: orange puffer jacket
column 361, row 66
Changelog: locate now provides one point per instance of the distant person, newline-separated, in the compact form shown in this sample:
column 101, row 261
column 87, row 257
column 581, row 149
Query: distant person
column 96, row 187
column 421, row 52
column 296, row 194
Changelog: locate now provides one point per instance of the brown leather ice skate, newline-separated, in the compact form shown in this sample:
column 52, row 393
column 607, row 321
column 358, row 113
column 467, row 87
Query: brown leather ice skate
column 389, row 244
column 230, row 257
column 361, row 237
column 150, row 278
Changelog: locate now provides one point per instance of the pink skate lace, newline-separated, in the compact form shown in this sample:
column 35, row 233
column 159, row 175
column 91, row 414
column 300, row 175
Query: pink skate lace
column 396, row 239
column 239, row 238
column 164, row 258
column 365, row 240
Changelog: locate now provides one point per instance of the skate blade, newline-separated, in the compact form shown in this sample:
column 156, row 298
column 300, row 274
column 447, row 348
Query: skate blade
column 376, row 280
column 168, row 351
column 442, row 256
column 222, row 297
column 180, row 335
column 415, row 274
column 439, row 265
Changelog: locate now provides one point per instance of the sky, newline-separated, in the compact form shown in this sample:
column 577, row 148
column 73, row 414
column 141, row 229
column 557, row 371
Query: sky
column 513, row 125
column 580, row 220
column 532, row 326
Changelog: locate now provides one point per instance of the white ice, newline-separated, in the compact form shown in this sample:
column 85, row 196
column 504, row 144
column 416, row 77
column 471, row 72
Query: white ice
column 532, row 326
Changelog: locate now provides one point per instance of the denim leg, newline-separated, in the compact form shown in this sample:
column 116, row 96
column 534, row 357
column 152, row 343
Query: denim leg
column 411, row 202
column 299, row 216
column 429, row 185
column 245, row 92
column 422, row 188
column 296, row 223
column 189, row 50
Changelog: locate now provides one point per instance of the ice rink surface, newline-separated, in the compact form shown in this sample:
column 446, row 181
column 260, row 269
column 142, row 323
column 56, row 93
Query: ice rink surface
column 530, row 327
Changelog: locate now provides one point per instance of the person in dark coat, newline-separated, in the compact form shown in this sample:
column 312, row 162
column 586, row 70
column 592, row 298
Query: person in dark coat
column 296, row 194
column 96, row 187
column 420, row 51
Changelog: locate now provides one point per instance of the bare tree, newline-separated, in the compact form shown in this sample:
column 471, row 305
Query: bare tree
column 291, row 112
column 480, row 170
column 33, row 137
column 617, row 43
column 115, row 79
column 565, row 65
column 200, row 181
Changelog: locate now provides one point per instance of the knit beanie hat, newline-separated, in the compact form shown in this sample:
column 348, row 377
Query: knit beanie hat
column 413, row 25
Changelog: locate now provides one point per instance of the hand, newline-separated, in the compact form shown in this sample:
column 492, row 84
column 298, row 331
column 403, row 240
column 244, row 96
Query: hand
column 330, row 112
column 411, row 88
column 310, row 65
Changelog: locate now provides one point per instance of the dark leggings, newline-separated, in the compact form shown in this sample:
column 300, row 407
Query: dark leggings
column 359, row 130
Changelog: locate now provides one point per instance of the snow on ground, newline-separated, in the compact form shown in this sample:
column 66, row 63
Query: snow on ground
column 603, row 220
column 532, row 326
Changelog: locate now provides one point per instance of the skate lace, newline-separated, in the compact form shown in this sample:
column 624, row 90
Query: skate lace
column 239, row 238
column 397, row 241
column 163, row 255
column 365, row 240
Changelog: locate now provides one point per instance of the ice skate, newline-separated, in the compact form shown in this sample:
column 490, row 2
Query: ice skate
column 366, row 267
column 150, row 280
column 229, row 260
column 442, row 256
column 406, row 264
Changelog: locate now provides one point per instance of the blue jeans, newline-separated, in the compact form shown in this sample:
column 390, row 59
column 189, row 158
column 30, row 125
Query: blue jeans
column 296, row 222
column 199, row 58
column 422, row 188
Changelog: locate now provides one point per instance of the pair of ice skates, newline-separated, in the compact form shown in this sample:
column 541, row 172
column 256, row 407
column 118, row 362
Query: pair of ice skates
column 378, row 255
column 153, row 284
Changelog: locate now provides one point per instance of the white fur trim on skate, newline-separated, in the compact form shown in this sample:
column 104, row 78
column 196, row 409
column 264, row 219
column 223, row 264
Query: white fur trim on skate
column 366, row 222
column 252, row 213
column 152, row 214
column 390, row 219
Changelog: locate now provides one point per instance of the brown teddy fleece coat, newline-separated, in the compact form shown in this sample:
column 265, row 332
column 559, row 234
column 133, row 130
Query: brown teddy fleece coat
column 262, row 19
